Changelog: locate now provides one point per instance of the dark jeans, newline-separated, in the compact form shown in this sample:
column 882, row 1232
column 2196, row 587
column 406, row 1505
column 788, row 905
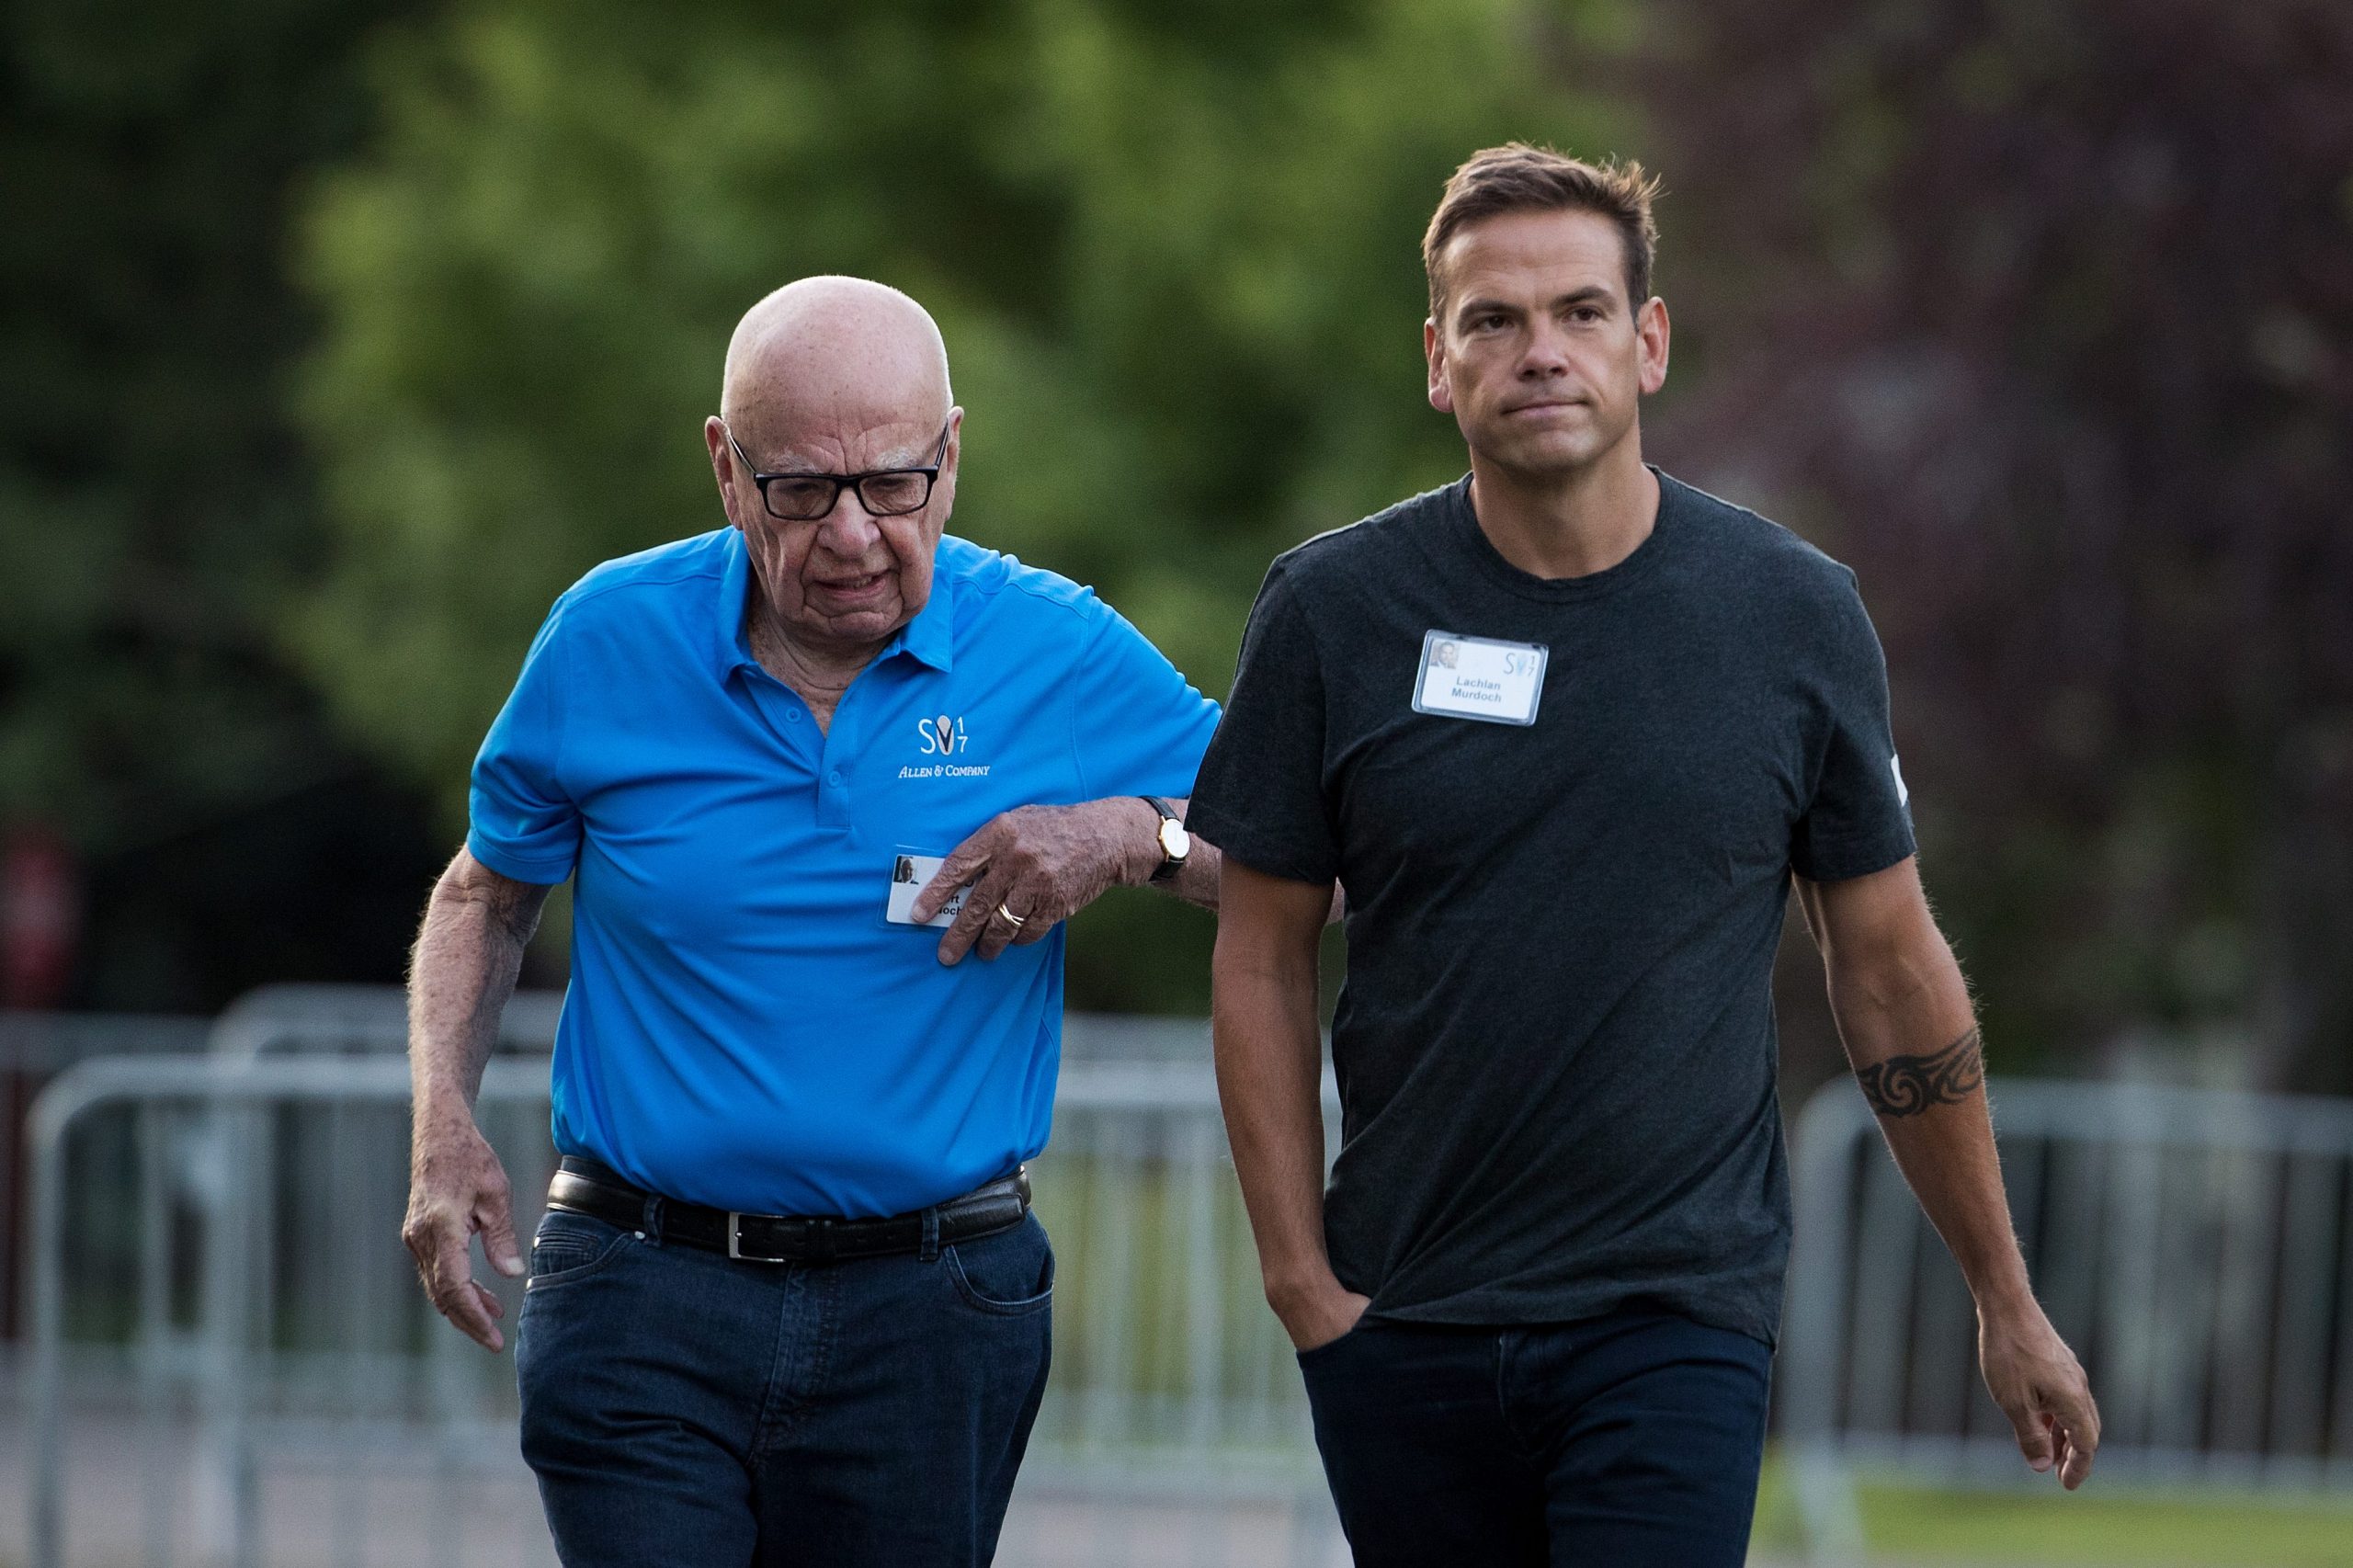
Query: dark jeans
column 1629, row 1441
column 680, row 1408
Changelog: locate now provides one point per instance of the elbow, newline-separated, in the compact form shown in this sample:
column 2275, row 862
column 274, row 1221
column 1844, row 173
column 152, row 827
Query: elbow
column 1893, row 980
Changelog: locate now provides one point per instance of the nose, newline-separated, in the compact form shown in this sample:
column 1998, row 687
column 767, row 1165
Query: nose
column 1547, row 355
column 849, row 527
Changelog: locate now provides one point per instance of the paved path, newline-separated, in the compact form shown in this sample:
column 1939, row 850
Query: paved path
column 133, row 1486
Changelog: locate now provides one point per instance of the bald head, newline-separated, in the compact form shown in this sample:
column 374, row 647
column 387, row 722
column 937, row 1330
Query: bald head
column 834, row 376
column 826, row 355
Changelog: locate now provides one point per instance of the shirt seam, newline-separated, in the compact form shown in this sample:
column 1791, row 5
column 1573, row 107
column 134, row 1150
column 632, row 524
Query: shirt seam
column 1874, row 852
column 583, row 592
column 562, row 713
column 1219, row 826
column 1236, row 840
column 1044, row 595
column 476, row 837
column 1069, row 692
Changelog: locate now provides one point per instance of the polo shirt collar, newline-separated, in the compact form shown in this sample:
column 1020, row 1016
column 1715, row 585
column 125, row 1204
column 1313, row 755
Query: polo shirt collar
column 929, row 637
column 730, row 643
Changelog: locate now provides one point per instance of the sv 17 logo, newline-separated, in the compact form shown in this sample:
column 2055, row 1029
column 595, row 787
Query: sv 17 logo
column 942, row 737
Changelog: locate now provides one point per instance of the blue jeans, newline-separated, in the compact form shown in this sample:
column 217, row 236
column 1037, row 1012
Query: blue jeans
column 680, row 1408
column 1629, row 1441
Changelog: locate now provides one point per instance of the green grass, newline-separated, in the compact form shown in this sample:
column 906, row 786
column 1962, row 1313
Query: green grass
column 2141, row 1528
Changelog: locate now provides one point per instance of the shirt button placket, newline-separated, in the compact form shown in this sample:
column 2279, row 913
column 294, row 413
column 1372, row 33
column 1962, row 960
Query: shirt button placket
column 832, row 786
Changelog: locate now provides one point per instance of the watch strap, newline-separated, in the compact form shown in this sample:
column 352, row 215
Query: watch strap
column 1168, row 865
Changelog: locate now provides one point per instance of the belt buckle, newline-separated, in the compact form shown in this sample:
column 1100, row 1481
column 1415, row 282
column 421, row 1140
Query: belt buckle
column 735, row 1241
column 819, row 1232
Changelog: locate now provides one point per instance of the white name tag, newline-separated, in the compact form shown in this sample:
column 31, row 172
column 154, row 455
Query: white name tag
column 1478, row 677
column 910, row 874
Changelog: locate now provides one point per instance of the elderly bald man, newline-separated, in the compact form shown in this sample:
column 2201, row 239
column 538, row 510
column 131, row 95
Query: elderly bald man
column 788, row 1304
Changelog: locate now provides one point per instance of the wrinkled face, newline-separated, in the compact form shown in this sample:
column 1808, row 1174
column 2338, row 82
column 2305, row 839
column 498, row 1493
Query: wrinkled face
column 1541, row 357
column 849, row 580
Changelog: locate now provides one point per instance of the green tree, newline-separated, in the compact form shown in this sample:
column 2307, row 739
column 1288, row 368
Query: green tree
column 155, row 508
column 152, row 491
column 1174, row 249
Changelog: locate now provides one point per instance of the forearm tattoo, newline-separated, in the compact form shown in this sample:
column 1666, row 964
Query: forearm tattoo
column 1906, row 1085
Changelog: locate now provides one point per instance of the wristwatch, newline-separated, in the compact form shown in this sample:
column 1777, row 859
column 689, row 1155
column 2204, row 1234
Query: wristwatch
column 1174, row 842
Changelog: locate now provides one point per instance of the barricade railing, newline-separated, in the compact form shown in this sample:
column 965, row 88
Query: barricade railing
column 2195, row 1247
column 247, row 1337
column 34, row 1048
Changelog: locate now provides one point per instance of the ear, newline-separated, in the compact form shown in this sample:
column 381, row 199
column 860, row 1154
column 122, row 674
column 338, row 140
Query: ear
column 722, row 466
column 1434, row 350
column 1651, row 335
column 943, row 489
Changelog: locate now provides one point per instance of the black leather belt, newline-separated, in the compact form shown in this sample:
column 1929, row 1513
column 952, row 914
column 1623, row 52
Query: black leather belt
column 584, row 1186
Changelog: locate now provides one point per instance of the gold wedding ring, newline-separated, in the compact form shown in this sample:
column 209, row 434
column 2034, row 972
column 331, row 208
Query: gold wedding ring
column 1018, row 921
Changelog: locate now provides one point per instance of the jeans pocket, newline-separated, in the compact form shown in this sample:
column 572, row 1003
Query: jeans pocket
column 1009, row 1274
column 1314, row 1354
column 569, row 1246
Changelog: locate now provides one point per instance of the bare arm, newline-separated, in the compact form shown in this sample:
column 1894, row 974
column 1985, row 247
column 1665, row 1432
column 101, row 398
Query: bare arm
column 460, row 976
column 1196, row 880
column 1046, row 863
column 1903, row 1012
column 1269, row 1075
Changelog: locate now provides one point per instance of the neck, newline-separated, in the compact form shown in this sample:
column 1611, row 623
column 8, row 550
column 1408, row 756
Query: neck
column 820, row 672
column 1567, row 525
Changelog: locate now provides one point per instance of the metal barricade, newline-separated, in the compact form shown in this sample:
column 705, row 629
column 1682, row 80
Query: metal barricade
column 34, row 1048
column 238, row 1365
column 2195, row 1248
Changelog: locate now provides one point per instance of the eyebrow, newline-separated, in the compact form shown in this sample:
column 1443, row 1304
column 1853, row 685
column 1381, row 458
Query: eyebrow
column 929, row 453
column 1593, row 294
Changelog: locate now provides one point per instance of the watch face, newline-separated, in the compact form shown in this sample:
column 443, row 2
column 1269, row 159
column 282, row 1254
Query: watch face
column 1174, row 842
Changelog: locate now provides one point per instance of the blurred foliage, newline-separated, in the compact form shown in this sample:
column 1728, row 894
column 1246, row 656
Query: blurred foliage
column 1173, row 250
column 2041, row 316
column 156, row 510
column 154, row 506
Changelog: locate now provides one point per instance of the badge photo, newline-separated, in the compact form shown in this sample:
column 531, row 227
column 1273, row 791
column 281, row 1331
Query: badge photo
column 910, row 874
column 1478, row 677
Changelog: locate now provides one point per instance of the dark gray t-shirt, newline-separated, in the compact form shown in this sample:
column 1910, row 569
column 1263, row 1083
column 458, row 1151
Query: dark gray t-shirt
column 1555, row 1044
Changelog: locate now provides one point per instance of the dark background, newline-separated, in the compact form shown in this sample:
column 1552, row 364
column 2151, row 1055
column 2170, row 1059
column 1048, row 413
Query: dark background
column 335, row 340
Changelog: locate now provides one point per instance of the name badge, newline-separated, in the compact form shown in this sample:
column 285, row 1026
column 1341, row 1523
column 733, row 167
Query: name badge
column 910, row 874
column 1478, row 677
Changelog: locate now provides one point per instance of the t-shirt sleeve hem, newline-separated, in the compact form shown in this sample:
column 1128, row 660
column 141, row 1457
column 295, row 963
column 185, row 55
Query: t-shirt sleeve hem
column 1860, row 859
column 1272, row 860
column 537, row 869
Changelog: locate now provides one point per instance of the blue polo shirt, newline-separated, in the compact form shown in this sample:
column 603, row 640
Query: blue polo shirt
column 744, row 1028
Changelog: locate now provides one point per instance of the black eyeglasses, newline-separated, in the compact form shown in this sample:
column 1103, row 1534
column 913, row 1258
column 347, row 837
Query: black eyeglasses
column 794, row 497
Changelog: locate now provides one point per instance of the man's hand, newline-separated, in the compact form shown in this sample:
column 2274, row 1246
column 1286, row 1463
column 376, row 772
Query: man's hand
column 457, row 1187
column 1316, row 1318
column 1903, row 1012
column 2042, row 1388
column 1042, row 863
column 476, row 926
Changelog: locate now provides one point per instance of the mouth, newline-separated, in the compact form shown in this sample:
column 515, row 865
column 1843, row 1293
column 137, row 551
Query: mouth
column 1545, row 406
column 864, row 586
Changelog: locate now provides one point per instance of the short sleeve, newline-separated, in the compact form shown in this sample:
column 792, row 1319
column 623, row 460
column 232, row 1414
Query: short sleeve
column 1859, row 819
column 1138, row 727
column 522, row 824
column 1261, row 798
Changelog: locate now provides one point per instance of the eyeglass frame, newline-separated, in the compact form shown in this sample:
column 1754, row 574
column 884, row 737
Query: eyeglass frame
column 854, row 482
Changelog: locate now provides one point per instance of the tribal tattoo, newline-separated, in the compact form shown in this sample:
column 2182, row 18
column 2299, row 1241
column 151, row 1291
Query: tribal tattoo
column 1906, row 1085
